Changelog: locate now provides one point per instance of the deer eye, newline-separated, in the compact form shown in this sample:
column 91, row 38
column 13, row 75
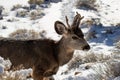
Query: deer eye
column 74, row 37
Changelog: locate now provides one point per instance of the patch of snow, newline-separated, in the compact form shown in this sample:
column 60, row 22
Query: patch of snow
column 8, row 4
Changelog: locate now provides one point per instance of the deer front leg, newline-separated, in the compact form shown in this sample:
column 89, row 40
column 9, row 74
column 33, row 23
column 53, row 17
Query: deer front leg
column 48, row 78
column 37, row 77
column 40, row 74
column 37, row 74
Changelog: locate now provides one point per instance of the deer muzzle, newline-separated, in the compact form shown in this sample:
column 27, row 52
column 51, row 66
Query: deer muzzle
column 87, row 47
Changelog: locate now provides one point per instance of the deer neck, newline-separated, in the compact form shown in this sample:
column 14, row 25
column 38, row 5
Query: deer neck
column 64, row 52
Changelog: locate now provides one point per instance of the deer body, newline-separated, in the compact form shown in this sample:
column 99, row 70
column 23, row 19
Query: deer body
column 45, row 56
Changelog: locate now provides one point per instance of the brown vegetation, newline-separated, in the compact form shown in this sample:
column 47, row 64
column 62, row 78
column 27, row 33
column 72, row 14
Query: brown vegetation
column 35, row 1
column 23, row 34
column 86, row 4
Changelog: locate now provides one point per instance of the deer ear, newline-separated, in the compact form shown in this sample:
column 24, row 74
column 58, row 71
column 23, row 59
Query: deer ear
column 60, row 27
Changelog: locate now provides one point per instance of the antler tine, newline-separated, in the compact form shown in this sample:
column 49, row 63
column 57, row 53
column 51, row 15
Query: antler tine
column 77, row 20
column 80, row 15
column 77, row 13
column 67, row 21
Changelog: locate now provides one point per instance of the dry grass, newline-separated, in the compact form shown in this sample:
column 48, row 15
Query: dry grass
column 17, row 6
column 23, row 34
column 21, row 13
column 118, row 24
column 118, row 45
column 103, row 66
column 12, row 77
column 86, row 4
column 88, row 57
column 35, row 14
column 22, row 74
column 35, row 1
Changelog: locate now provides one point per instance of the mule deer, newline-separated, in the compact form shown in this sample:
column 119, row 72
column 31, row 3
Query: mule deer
column 45, row 56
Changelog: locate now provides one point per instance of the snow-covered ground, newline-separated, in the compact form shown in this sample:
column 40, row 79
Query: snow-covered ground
column 100, row 63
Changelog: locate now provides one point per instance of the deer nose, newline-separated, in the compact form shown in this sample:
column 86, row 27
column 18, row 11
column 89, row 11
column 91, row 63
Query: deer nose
column 87, row 47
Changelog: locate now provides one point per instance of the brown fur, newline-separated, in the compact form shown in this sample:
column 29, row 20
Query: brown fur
column 44, row 55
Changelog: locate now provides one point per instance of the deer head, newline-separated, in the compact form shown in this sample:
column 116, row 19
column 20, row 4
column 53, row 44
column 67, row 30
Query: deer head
column 73, row 37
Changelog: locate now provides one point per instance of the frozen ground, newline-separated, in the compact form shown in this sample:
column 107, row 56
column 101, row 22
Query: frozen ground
column 100, row 63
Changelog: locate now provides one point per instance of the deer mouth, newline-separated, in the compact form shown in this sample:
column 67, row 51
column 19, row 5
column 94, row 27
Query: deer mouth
column 86, row 48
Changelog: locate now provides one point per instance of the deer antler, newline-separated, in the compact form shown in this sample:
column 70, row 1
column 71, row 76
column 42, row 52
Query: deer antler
column 67, row 21
column 77, row 20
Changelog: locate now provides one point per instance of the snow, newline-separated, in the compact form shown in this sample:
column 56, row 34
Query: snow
column 47, row 22
column 102, row 46
column 8, row 4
